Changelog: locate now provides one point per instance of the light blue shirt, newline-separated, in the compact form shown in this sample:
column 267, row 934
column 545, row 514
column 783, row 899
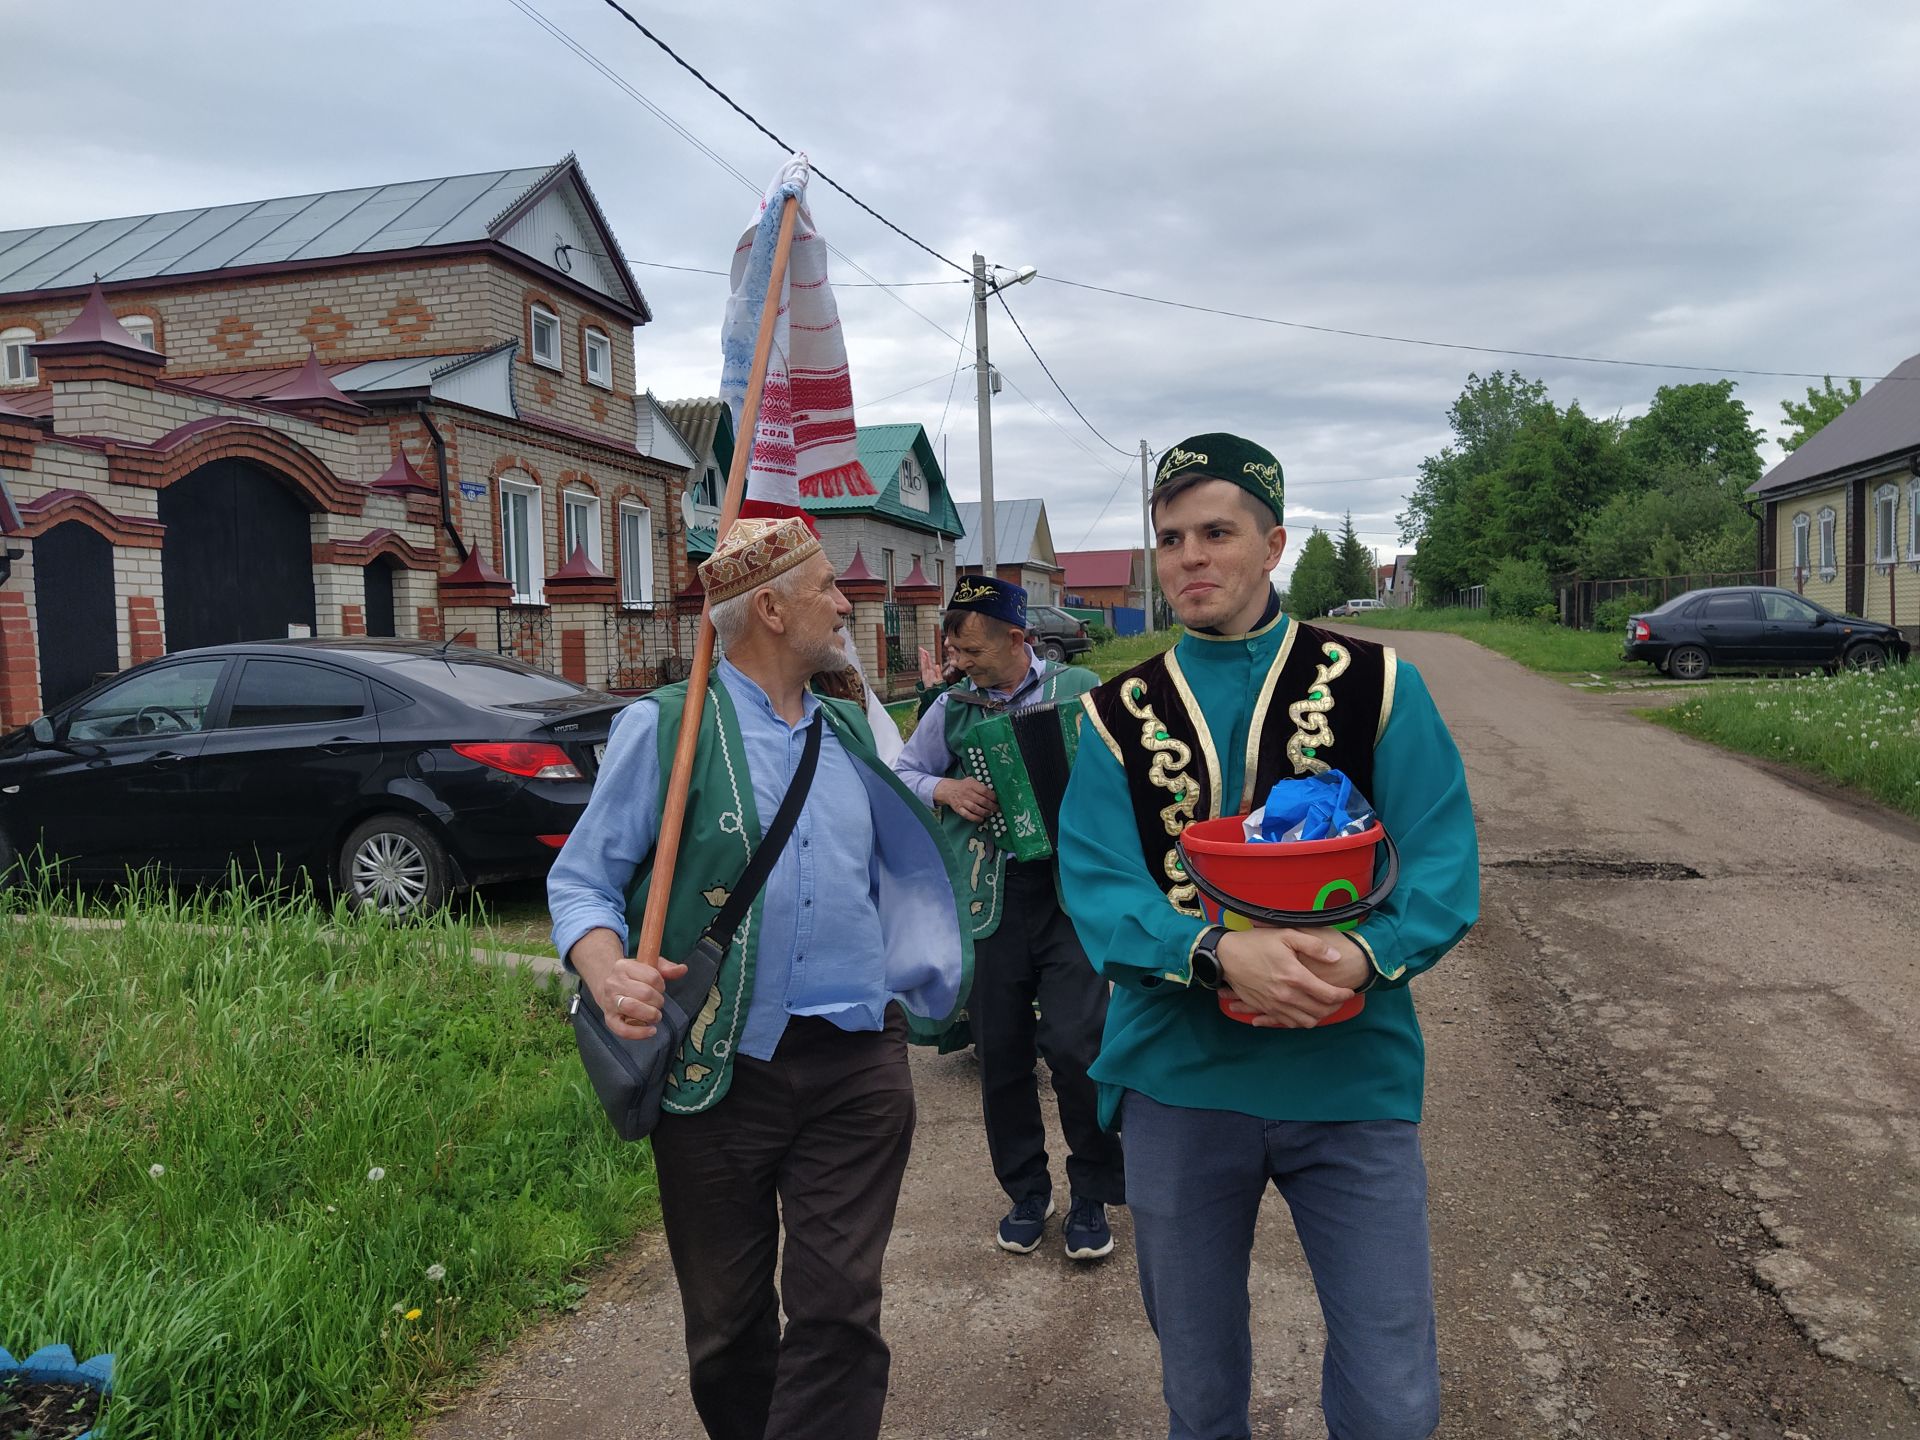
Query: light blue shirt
column 820, row 950
column 925, row 759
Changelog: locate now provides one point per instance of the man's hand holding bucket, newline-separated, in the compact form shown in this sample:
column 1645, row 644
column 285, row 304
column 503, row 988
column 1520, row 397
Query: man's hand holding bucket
column 1291, row 979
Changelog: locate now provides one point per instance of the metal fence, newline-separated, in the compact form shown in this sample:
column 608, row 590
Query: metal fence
column 649, row 646
column 526, row 633
column 900, row 650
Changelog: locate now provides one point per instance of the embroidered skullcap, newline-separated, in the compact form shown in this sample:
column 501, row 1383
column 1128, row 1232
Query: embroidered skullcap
column 756, row 551
column 996, row 599
column 1220, row 456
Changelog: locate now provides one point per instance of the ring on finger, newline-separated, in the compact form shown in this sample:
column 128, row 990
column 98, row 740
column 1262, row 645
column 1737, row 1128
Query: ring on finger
column 619, row 1004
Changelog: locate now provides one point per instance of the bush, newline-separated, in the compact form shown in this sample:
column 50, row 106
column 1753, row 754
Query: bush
column 1612, row 614
column 1098, row 633
column 1518, row 590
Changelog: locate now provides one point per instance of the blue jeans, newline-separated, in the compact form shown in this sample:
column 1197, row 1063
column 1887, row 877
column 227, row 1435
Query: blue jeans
column 1358, row 1193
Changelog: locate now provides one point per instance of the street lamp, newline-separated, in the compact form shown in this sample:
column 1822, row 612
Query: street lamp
column 985, row 383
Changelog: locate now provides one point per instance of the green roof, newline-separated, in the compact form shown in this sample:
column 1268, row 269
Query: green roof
column 882, row 448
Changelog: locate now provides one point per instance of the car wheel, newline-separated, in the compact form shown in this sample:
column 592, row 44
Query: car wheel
column 395, row 866
column 1688, row 662
column 1053, row 650
column 1867, row 655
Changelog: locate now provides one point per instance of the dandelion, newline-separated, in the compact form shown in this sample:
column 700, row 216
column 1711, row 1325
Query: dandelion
column 376, row 1174
column 413, row 1314
column 436, row 1273
column 156, row 1170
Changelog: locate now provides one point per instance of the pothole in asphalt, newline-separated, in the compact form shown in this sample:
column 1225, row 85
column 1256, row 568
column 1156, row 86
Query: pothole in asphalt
column 1571, row 865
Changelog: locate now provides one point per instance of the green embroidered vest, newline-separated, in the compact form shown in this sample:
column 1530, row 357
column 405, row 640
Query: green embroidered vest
column 722, row 827
column 1322, row 706
column 983, row 861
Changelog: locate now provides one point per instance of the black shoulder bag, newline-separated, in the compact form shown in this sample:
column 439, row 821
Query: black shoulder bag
column 630, row 1076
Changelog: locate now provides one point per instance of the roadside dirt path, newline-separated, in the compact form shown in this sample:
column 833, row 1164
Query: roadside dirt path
column 1673, row 1130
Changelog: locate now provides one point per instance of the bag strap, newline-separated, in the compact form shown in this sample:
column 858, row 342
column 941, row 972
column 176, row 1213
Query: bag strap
column 747, row 889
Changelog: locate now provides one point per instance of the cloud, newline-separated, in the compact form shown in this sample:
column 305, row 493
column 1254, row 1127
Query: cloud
column 1688, row 183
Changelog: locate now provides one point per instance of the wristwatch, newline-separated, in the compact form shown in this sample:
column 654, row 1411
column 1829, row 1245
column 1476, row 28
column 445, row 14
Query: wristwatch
column 1206, row 958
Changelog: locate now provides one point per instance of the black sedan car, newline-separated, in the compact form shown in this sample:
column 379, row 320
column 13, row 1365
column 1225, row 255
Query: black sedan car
column 399, row 771
column 1056, row 635
column 1756, row 627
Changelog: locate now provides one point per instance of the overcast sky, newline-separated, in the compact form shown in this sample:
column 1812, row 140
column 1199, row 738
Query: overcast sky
column 1723, row 185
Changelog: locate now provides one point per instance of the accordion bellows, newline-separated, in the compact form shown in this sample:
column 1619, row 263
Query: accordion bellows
column 1024, row 757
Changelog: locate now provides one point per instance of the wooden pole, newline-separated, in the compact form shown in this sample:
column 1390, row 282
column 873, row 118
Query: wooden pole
column 673, row 812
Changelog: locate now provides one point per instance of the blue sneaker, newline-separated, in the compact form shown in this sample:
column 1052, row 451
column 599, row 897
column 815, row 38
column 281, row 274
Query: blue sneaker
column 1021, row 1229
column 1088, row 1235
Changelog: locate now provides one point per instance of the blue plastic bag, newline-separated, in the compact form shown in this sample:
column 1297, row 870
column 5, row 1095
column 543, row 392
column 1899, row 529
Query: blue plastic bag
column 1314, row 807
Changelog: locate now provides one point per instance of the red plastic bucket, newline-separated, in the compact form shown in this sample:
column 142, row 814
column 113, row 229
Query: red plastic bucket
column 1306, row 875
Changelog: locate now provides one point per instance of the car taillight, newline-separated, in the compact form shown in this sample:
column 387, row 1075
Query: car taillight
column 534, row 759
column 552, row 842
column 1082, row 630
column 1641, row 630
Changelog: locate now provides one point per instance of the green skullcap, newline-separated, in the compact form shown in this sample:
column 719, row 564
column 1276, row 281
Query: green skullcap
column 1227, row 457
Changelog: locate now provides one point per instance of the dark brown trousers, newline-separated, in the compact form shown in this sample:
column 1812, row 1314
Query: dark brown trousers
column 818, row 1137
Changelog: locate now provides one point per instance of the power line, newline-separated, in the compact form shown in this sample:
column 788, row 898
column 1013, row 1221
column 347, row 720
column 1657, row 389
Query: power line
column 918, row 384
column 959, row 365
column 1449, row 344
column 627, row 15
column 1125, row 472
column 1002, row 296
column 844, row 285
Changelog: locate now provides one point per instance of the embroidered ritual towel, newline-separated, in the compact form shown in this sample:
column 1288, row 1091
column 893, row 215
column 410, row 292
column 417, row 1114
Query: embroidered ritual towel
column 803, row 446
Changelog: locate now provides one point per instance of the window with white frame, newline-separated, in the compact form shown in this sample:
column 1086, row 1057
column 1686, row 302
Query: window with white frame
column 1802, row 542
column 886, row 570
column 636, row 554
column 545, row 327
column 140, row 327
column 520, row 558
column 1829, row 562
column 599, row 364
column 580, row 522
column 706, row 490
column 1886, row 517
column 1913, row 520
column 17, row 366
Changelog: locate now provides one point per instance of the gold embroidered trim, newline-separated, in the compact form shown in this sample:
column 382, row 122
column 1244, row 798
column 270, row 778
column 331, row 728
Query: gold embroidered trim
column 1312, row 733
column 1191, row 703
column 1374, row 960
column 1100, row 728
column 1251, row 773
column 1171, row 758
column 1386, row 692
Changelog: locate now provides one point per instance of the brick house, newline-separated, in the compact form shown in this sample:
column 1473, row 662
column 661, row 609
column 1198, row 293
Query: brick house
column 404, row 409
column 706, row 429
column 1022, row 547
column 1841, row 521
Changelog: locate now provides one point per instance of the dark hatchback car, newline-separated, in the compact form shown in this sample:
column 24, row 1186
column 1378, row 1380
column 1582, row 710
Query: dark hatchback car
column 1756, row 627
column 1055, row 634
column 397, row 770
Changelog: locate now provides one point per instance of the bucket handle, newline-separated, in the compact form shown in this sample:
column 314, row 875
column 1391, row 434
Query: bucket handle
column 1352, row 911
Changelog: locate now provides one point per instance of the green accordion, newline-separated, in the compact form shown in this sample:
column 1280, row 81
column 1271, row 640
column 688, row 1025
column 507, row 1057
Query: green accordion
column 1024, row 757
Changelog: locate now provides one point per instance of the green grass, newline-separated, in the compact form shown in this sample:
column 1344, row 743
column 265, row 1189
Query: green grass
column 1861, row 728
column 1123, row 653
column 1537, row 644
column 237, row 1135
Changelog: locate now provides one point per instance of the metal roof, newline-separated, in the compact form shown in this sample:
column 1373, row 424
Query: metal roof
column 881, row 449
column 1021, row 535
column 330, row 224
column 1882, row 424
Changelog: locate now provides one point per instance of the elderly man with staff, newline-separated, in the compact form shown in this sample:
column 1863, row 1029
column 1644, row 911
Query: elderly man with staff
column 751, row 900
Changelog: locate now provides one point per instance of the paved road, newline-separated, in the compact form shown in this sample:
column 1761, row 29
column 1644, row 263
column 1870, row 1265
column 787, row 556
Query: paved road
column 1673, row 1130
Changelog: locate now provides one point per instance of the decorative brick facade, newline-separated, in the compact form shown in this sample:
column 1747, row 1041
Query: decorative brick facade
column 111, row 428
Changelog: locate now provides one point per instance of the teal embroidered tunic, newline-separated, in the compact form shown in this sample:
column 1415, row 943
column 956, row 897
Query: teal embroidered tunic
column 1166, row 1037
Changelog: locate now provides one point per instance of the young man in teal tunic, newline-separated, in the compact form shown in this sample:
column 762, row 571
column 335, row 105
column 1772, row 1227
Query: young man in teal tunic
column 1025, row 950
column 1214, row 1109
column 790, row 1104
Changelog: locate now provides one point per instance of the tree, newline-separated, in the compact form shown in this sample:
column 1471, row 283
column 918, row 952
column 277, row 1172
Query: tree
column 1823, row 406
column 1683, row 521
column 1354, row 564
column 1697, row 427
column 1315, row 587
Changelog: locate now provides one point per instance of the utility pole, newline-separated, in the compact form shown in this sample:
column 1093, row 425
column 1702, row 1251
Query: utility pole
column 984, row 398
column 1146, row 527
